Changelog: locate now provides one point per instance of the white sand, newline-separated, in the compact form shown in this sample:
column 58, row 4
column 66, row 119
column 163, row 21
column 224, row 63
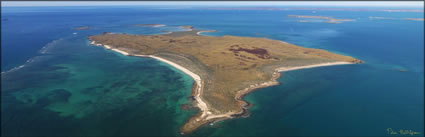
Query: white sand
column 199, row 32
column 120, row 51
column 201, row 104
column 109, row 47
column 270, row 83
column 311, row 66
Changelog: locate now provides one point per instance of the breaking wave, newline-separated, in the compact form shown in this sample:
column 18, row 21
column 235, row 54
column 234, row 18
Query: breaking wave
column 43, row 51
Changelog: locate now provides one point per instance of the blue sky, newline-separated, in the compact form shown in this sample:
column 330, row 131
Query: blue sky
column 213, row 3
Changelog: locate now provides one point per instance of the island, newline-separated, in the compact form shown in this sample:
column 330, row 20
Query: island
column 381, row 18
column 149, row 25
column 81, row 28
column 321, row 19
column 224, row 68
column 391, row 18
column 187, row 27
column 314, row 9
column 414, row 19
column 401, row 70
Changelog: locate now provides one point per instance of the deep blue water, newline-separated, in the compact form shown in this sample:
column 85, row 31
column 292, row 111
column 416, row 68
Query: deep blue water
column 70, row 88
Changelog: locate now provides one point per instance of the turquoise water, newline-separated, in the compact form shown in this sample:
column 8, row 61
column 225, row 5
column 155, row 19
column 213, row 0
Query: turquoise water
column 70, row 88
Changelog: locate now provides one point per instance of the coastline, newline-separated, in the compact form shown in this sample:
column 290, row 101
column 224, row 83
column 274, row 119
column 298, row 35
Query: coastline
column 205, row 113
column 273, row 81
column 283, row 69
column 200, row 103
column 199, row 32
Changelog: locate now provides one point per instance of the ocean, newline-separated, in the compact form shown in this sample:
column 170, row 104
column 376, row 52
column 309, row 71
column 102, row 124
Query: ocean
column 55, row 84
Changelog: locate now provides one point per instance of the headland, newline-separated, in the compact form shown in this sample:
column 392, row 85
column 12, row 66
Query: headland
column 224, row 68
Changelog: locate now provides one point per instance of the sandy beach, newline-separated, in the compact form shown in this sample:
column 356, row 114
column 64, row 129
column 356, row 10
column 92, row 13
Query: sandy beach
column 109, row 47
column 272, row 82
column 200, row 103
column 199, row 32
column 120, row 51
column 282, row 69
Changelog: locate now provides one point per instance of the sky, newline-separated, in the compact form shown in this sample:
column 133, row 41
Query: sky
column 216, row 3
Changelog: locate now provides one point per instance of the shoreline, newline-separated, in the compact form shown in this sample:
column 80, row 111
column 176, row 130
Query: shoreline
column 276, row 74
column 205, row 113
column 283, row 69
column 197, row 79
column 199, row 32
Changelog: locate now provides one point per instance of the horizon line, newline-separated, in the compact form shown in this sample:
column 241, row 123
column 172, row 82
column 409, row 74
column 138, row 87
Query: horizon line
column 418, row 4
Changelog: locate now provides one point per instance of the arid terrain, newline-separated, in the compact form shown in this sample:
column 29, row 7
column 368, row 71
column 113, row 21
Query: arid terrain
column 224, row 68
